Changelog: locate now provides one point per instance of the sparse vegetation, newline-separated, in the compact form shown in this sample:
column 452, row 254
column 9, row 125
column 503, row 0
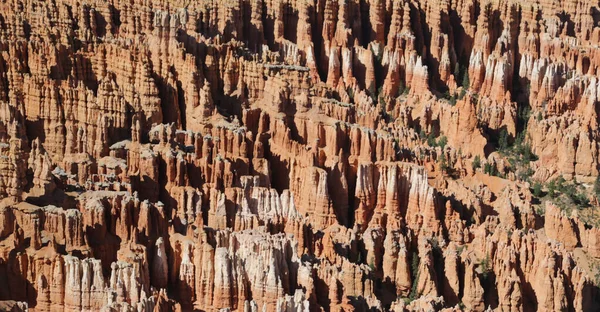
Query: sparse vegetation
column 503, row 140
column 435, row 244
column 451, row 98
column 540, row 210
column 462, row 94
column 523, row 114
column 567, row 195
column 524, row 172
column 466, row 83
column 383, row 108
column 485, row 266
column 595, row 267
column 457, row 71
column 476, row 163
column 431, row 140
column 350, row 92
column 402, row 89
column 537, row 189
column 444, row 163
column 518, row 154
column 442, row 141
column 461, row 74
column 490, row 169
column 414, row 266
column 597, row 187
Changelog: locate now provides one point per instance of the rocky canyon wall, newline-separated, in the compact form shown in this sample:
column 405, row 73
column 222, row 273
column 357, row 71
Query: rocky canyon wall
column 299, row 155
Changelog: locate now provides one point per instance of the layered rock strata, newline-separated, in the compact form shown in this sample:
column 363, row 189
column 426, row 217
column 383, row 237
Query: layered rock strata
column 291, row 155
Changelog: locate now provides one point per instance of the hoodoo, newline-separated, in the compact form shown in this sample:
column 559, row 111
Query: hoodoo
column 299, row 155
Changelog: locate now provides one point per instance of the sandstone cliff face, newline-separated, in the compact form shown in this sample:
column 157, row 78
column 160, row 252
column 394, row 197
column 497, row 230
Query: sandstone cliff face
column 287, row 155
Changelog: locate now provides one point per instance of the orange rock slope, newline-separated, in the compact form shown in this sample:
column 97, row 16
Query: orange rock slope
column 298, row 155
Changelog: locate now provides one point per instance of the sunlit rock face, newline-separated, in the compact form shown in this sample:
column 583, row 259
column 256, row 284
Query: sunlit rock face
column 293, row 155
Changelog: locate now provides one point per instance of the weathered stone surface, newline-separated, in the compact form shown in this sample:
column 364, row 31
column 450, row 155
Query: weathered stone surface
column 288, row 155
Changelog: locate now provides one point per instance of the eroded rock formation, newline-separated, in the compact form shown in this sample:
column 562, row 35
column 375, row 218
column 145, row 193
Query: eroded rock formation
column 291, row 155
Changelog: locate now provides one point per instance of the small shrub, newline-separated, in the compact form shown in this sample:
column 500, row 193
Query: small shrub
column 520, row 138
column 490, row 169
column 447, row 95
column 560, row 185
column 503, row 140
column 581, row 200
column 465, row 82
column 526, row 173
column 456, row 71
column 476, row 163
column 551, row 188
column 350, row 92
column 372, row 266
column 537, row 189
column 596, row 274
column 431, row 140
column 401, row 88
column 523, row 113
column 597, row 187
column 452, row 100
column 485, row 265
column 444, row 163
column 567, row 195
column 442, row 141
column 415, row 273
column 414, row 265
column 540, row 210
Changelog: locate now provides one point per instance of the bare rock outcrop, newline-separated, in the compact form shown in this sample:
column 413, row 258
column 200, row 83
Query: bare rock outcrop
column 250, row 155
